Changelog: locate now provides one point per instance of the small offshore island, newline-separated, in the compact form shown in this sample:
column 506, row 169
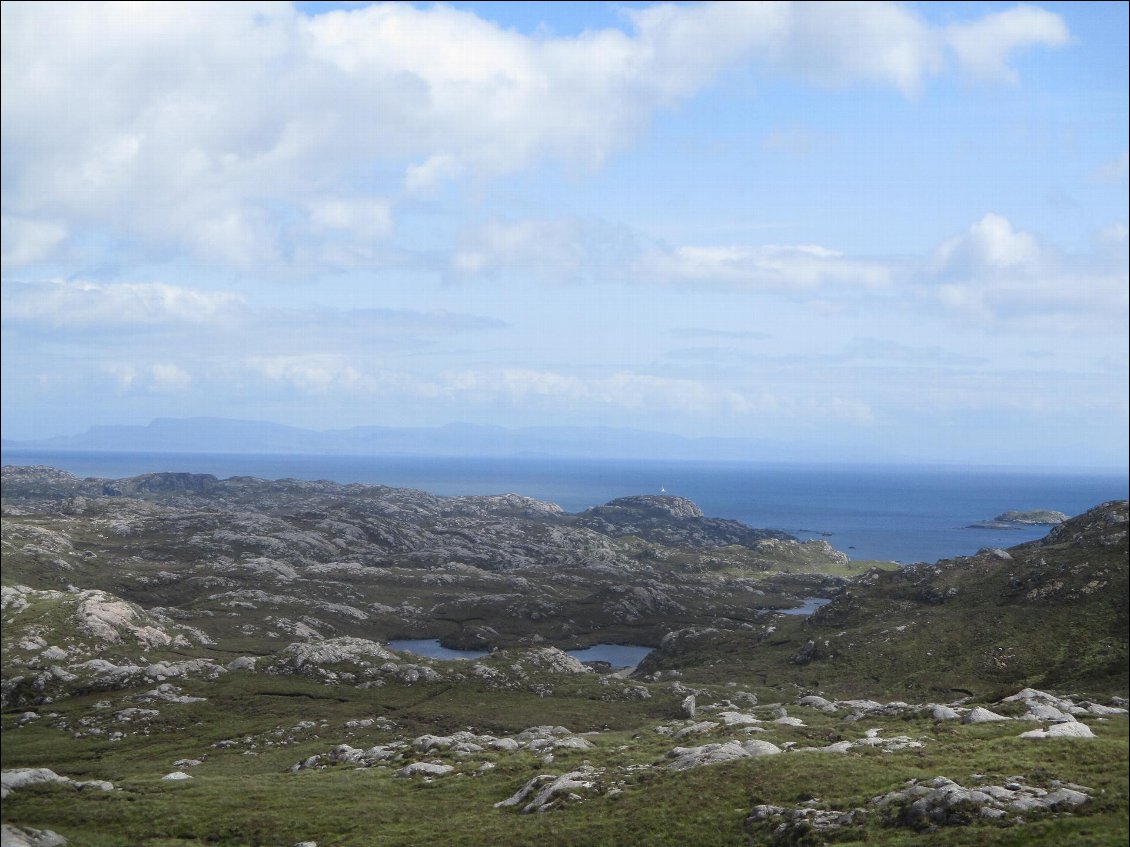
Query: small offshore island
column 1019, row 520
column 195, row 660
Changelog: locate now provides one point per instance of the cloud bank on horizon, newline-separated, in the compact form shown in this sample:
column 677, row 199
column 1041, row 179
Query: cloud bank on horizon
column 893, row 228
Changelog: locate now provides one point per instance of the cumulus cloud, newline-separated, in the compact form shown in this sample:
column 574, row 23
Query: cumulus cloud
column 232, row 131
column 983, row 47
column 994, row 272
column 990, row 244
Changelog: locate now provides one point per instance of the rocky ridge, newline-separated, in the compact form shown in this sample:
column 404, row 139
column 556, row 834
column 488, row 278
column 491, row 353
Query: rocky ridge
column 180, row 563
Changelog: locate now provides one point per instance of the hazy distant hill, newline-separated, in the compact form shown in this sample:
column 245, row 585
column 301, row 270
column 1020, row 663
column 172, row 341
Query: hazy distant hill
column 222, row 435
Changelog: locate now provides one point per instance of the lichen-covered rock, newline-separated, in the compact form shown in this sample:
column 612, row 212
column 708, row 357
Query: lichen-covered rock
column 547, row 791
column 921, row 805
column 1061, row 730
column 552, row 660
column 12, row 780
column 335, row 651
column 685, row 758
column 814, row 701
column 980, row 714
column 23, row 836
column 430, row 769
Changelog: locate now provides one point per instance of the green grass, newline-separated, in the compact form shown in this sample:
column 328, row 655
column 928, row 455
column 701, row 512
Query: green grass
column 239, row 799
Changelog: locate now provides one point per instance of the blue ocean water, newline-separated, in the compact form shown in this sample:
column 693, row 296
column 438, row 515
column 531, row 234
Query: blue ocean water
column 899, row 513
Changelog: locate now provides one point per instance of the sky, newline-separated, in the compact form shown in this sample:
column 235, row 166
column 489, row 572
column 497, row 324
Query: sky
column 899, row 230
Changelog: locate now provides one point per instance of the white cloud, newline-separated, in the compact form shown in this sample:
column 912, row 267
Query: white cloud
column 154, row 378
column 993, row 272
column 996, row 273
column 783, row 268
column 27, row 240
column 210, row 128
column 983, row 47
column 108, row 310
column 169, row 378
column 367, row 218
column 837, row 44
column 640, row 393
column 429, row 174
column 313, row 374
column 548, row 249
column 990, row 244
column 98, row 305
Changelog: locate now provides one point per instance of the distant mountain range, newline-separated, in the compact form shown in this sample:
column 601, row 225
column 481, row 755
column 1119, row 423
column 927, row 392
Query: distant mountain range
column 222, row 435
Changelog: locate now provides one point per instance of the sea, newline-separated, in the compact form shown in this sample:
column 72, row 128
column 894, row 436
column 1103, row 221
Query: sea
column 907, row 514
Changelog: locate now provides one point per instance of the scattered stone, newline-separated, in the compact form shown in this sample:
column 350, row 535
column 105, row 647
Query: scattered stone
column 699, row 728
column 16, row 778
column 742, row 719
column 924, row 806
column 979, row 714
column 1061, row 730
column 549, row 790
column 334, row 651
column 424, row 769
column 816, row 702
column 14, row 836
column 686, row 758
column 176, row 776
column 1099, row 709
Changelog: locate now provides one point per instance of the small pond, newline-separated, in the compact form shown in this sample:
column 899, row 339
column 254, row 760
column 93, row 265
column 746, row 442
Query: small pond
column 811, row 604
column 431, row 648
column 617, row 655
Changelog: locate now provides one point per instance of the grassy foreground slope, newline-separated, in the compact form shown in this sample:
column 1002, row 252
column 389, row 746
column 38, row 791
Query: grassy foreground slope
column 249, row 733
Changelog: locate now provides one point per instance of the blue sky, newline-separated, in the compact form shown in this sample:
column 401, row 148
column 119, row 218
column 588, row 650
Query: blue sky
column 896, row 229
